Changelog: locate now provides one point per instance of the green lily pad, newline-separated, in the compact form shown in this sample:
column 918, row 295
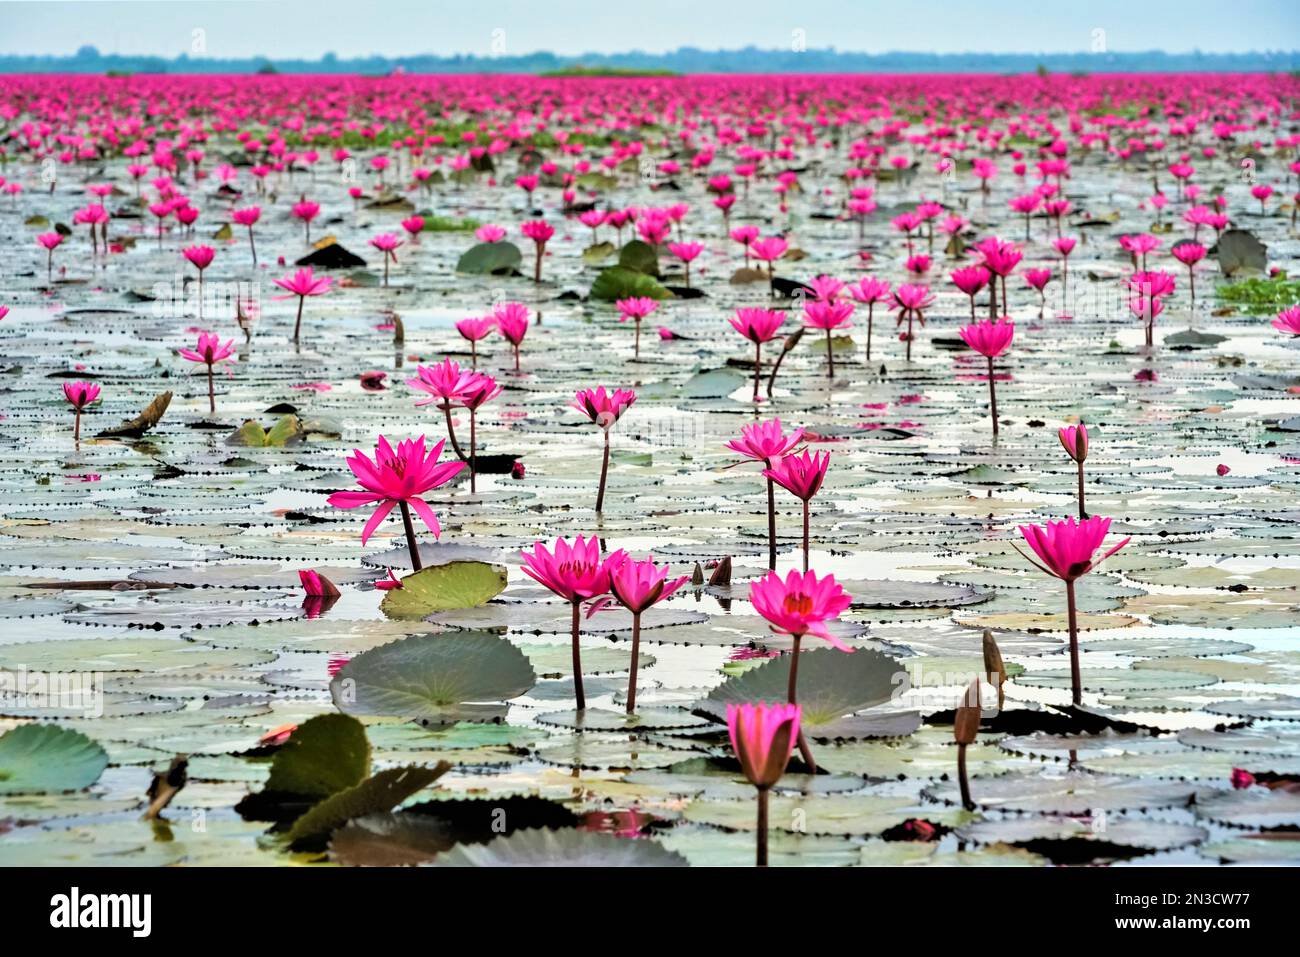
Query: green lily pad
column 41, row 758
column 380, row 792
column 444, row 587
column 430, row 677
column 490, row 259
column 324, row 755
column 831, row 685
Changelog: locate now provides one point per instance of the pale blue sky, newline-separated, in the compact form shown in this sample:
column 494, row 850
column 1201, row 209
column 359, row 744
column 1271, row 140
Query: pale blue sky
column 309, row 28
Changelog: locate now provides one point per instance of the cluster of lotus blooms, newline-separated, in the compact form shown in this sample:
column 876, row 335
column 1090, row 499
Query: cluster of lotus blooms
column 759, row 142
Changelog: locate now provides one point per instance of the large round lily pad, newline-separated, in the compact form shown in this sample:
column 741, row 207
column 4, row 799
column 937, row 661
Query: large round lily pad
column 41, row 758
column 431, row 677
column 460, row 584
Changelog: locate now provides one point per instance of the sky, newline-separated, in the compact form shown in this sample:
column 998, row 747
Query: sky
column 310, row 28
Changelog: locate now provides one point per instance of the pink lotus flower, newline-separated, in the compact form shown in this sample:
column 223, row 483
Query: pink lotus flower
column 801, row 476
column 511, row 320
column 474, row 329
column 1066, row 551
column 306, row 212
column 801, row 604
column 687, row 253
column 200, row 257
column 636, row 308
column 765, row 441
column 971, row 280
column 398, row 478
column 489, row 234
column 49, row 242
column 768, row 251
column 445, row 383
column 745, row 235
column 79, row 395
column 317, row 585
column 1189, row 254
column 989, row 339
column 826, row 288
column 577, row 573
column 413, row 225
column 828, row 315
column 303, row 284
column 1287, row 321
column 389, row 583
column 1074, row 439
column 758, row 326
column 539, row 232
column 209, row 351
column 388, row 244
column 638, row 586
column 604, row 409
column 763, row 737
column 248, row 217
column 1221, row 470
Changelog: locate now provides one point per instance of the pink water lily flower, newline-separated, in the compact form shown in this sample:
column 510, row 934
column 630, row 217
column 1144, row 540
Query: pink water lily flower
column 248, row 218
column 575, row 572
column 763, row 737
column 539, row 231
column 800, row 604
column 686, row 253
column 1287, row 321
column 388, row 244
column 870, row 291
column 389, row 583
column 1074, row 439
column 472, row 330
column 758, row 326
column 1067, row 550
column 489, row 234
column 304, row 283
column 638, row 586
column 79, row 395
column 49, row 242
column 603, row 409
column 317, row 585
column 511, row 320
column 305, row 212
column 829, row 316
column 636, row 308
column 398, row 477
column 209, row 350
column 801, row 476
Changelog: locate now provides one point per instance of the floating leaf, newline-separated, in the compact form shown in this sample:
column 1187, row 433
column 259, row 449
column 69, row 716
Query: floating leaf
column 490, row 259
column 380, row 792
column 457, row 584
column 41, row 758
column 431, row 677
column 325, row 755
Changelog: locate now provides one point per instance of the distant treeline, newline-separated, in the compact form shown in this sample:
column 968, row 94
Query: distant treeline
column 685, row 60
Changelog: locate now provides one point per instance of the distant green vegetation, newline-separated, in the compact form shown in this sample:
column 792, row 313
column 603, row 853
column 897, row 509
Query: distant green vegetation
column 618, row 71
column 1262, row 296
column 450, row 224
